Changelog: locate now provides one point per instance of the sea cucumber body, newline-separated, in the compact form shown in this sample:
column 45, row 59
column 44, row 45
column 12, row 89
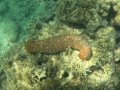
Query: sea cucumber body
column 60, row 43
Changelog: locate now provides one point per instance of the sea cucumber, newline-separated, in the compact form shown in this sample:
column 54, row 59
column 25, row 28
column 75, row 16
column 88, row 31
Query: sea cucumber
column 60, row 43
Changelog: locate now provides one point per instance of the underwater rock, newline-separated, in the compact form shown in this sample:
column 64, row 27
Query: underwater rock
column 105, row 44
column 83, row 14
column 58, row 71
column 117, row 55
column 65, row 71
column 116, row 20
column 2, row 79
column 107, row 36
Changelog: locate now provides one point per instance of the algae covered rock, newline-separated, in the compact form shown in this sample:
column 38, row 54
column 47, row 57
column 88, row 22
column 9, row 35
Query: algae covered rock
column 116, row 19
column 65, row 70
column 103, row 58
column 80, row 13
column 105, row 44
column 106, row 36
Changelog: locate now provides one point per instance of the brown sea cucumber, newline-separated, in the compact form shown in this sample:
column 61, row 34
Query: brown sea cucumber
column 60, row 43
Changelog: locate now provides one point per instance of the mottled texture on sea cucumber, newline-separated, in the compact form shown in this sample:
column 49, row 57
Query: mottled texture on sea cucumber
column 60, row 43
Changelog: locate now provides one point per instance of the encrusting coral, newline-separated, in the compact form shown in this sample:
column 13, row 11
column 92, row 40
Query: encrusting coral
column 60, row 43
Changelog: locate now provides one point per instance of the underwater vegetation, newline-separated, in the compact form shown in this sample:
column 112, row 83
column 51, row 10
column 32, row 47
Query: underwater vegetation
column 79, row 13
column 60, row 45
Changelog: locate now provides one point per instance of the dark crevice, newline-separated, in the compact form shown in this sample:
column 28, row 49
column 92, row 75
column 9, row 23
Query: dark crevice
column 65, row 74
column 111, row 14
column 75, row 25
